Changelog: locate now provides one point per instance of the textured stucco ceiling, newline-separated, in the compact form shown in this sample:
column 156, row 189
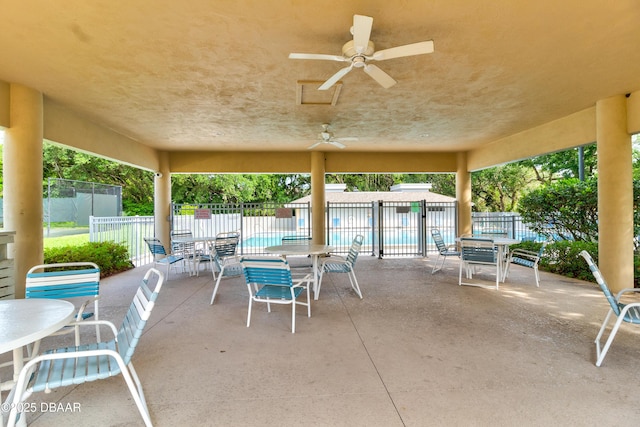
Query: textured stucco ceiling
column 215, row 75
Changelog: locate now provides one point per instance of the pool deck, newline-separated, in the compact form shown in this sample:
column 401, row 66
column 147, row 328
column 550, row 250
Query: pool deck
column 418, row 350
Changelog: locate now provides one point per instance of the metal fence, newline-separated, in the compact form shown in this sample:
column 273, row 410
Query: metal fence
column 390, row 229
column 503, row 224
column 260, row 224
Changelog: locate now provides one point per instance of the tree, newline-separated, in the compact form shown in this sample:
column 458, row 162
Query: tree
column 499, row 189
column 565, row 209
column 63, row 163
column 563, row 164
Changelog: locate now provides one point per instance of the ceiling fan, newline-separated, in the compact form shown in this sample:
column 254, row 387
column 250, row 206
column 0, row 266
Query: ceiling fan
column 326, row 137
column 360, row 51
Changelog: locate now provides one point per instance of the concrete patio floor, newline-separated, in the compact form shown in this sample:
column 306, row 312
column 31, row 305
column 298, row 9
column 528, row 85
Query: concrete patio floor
column 418, row 350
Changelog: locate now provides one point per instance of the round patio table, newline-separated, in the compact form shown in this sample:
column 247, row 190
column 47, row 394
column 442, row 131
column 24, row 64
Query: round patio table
column 315, row 250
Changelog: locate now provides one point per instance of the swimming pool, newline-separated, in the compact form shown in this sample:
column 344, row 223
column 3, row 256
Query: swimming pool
column 336, row 238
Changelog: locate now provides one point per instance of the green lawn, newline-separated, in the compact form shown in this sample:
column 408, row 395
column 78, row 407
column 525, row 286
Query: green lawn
column 72, row 240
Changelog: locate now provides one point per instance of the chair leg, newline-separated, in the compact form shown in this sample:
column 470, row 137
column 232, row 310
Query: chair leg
column 135, row 388
column 601, row 353
column 317, row 289
column 97, row 317
column 435, row 265
column 354, row 282
column 293, row 316
column 249, row 311
column 537, row 274
column 215, row 289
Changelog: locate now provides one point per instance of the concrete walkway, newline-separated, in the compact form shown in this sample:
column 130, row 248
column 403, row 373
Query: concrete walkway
column 418, row 350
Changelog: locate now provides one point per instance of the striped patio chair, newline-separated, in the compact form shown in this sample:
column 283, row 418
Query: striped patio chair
column 269, row 281
column 627, row 313
column 337, row 264
column 90, row 362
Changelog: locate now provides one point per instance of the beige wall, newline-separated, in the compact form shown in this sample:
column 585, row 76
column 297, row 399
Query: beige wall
column 568, row 132
column 300, row 162
column 63, row 126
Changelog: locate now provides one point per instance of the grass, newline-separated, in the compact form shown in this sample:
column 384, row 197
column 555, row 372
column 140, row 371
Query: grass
column 72, row 240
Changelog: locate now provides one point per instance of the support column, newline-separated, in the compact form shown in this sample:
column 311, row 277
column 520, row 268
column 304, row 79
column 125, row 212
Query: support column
column 162, row 201
column 463, row 195
column 22, row 170
column 615, row 193
column 317, row 197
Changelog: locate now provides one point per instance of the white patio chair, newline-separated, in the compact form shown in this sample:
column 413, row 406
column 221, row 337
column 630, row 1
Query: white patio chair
column 338, row 264
column 475, row 252
column 90, row 362
column 526, row 258
column 223, row 251
column 269, row 280
column 188, row 251
column 160, row 255
column 443, row 250
column 70, row 281
column 628, row 313
column 297, row 240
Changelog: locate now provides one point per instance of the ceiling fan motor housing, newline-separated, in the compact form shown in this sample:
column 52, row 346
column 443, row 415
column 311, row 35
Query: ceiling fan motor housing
column 349, row 49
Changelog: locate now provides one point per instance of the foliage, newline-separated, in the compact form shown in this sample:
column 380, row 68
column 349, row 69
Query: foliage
column 60, row 162
column 238, row 188
column 131, row 208
column 498, row 189
column 563, row 257
column 111, row 257
column 563, row 164
column 566, row 209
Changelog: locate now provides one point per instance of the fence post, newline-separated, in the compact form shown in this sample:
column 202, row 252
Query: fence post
column 380, row 229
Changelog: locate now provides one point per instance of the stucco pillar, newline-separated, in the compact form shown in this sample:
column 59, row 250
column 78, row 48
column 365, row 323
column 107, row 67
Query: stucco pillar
column 615, row 193
column 317, row 197
column 22, row 170
column 162, row 201
column 463, row 195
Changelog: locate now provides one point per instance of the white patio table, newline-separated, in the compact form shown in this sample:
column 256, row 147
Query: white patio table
column 502, row 243
column 315, row 250
column 24, row 321
column 204, row 240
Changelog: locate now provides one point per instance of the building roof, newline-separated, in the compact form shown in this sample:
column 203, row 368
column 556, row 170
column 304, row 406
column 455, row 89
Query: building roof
column 386, row 196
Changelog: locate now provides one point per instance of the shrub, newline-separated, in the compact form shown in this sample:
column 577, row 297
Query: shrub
column 141, row 209
column 563, row 257
column 109, row 256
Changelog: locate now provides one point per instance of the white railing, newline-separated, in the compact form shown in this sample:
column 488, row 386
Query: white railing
column 128, row 230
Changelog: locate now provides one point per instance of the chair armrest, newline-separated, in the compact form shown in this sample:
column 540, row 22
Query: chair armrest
column 299, row 281
column 97, row 322
column 626, row 291
column 230, row 259
column 334, row 259
column 522, row 253
column 84, row 306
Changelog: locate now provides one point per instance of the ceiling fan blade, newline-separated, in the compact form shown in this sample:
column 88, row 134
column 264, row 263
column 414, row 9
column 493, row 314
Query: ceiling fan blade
column 361, row 32
column 419, row 48
column 336, row 143
column 384, row 79
column 345, row 139
column 317, row 56
column 314, row 145
column 334, row 79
